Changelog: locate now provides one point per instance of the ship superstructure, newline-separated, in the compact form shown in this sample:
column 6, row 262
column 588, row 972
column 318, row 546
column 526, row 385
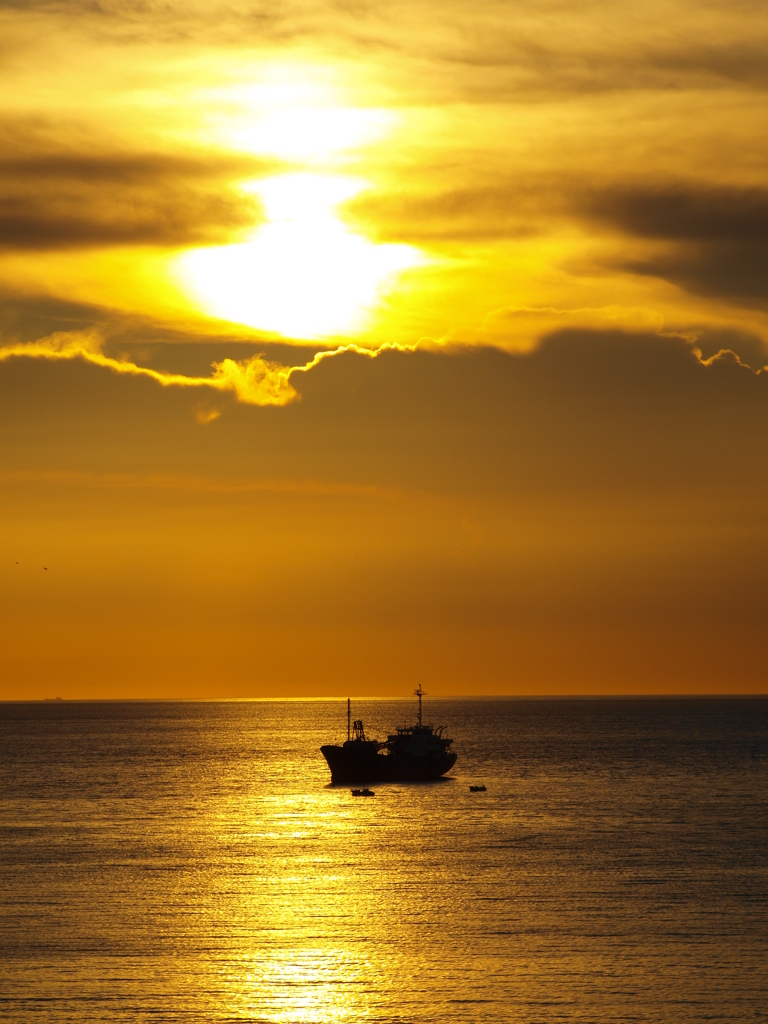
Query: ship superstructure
column 414, row 753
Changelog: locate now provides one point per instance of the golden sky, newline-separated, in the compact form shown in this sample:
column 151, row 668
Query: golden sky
column 348, row 346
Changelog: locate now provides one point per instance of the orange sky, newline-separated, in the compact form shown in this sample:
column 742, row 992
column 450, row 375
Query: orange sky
column 344, row 348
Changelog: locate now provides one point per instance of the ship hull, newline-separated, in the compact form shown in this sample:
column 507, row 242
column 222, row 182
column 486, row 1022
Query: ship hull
column 350, row 766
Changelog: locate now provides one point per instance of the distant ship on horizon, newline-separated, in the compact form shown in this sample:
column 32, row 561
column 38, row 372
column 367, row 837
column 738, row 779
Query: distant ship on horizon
column 415, row 753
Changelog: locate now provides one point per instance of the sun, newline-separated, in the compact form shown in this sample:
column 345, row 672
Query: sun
column 304, row 273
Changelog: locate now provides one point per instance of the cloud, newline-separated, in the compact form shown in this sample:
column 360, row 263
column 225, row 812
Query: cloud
column 494, row 50
column 27, row 317
column 207, row 414
column 26, row 224
column 709, row 239
column 63, row 199
column 507, row 208
column 737, row 272
column 716, row 236
column 256, row 380
column 585, row 409
column 684, row 211
column 522, row 328
column 130, row 168
column 514, row 124
column 253, row 381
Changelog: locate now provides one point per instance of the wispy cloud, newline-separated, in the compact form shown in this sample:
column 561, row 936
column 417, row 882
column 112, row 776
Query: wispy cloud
column 251, row 381
column 254, row 381
column 66, row 198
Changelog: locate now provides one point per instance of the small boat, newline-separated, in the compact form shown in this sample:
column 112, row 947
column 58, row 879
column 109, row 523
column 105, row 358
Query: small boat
column 363, row 792
column 477, row 789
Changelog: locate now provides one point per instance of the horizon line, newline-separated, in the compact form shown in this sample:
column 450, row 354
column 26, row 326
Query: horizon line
column 447, row 697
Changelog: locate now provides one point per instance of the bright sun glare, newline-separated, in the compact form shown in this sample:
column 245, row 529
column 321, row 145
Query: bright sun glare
column 303, row 273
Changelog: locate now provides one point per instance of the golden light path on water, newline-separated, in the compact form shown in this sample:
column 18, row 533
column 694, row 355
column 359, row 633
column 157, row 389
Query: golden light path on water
column 304, row 972
column 303, row 272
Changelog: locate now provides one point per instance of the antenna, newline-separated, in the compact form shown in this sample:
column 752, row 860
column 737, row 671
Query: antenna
column 420, row 693
column 348, row 714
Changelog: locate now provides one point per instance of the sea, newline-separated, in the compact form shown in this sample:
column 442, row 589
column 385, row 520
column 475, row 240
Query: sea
column 190, row 862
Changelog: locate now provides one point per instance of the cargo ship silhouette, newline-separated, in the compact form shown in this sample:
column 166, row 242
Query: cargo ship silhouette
column 415, row 753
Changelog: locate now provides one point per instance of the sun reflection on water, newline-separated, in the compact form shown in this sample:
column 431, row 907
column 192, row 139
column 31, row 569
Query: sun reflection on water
column 306, row 986
column 297, row 971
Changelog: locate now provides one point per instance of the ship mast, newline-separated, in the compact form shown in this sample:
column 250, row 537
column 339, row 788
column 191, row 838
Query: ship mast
column 348, row 714
column 420, row 693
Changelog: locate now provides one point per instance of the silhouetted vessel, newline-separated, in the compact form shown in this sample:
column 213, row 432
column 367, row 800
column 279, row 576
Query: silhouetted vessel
column 415, row 753
column 477, row 789
column 363, row 792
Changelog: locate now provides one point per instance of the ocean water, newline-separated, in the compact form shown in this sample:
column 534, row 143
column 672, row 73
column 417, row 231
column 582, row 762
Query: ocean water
column 189, row 862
